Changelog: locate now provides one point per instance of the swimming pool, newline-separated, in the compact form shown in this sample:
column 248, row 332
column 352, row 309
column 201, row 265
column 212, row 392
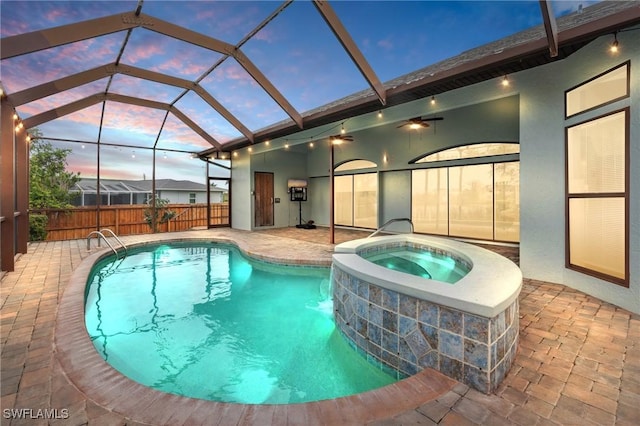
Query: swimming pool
column 205, row 321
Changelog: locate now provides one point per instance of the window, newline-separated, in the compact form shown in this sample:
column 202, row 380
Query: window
column 608, row 87
column 192, row 198
column 356, row 200
column 472, row 151
column 597, row 155
column 476, row 201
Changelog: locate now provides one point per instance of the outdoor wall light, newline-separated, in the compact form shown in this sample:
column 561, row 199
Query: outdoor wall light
column 614, row 45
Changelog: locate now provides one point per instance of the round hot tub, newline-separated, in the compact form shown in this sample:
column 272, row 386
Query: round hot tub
column 466, row 328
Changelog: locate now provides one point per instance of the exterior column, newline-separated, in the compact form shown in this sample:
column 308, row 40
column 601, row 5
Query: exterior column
column 22, row 190
column 7, row 186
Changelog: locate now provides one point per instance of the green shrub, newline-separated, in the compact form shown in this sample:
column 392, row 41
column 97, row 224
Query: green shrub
column 38, row 227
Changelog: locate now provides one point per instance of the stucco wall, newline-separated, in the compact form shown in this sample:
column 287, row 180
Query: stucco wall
column 542, row 167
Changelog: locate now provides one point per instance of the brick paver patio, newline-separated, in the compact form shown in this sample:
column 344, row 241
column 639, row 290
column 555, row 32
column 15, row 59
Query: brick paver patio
column 578, row 360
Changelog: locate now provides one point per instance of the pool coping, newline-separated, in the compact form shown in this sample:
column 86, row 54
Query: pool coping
column 106, row 387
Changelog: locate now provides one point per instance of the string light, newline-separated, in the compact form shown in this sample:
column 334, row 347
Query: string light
column 505, row 81
column 614, row 45
column 235, row 153
column 310, row 144
column 15, row 116
column 433, row 100
column 133, row 154
column 379, row 114
column 250, row 149
column 342, row 129
column 267, row 143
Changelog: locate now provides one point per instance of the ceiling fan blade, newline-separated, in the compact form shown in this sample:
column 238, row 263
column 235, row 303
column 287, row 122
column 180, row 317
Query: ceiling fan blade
column 433, row 119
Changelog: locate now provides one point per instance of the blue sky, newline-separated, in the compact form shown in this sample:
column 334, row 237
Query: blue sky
column 296, row 50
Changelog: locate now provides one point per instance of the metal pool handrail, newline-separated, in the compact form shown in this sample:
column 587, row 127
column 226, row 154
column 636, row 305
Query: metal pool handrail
column 101, row 235
column 400, row 219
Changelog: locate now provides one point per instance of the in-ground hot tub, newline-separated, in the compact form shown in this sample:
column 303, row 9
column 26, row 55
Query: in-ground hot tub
column 466, row 329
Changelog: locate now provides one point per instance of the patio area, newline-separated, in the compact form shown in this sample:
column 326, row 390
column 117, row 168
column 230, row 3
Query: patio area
column 578, row 360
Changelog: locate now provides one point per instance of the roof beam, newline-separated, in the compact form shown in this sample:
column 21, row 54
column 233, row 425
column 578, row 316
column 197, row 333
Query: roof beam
column 34, row 41
column 38, row 92
column 52, row 114
column 52, row 87
column 192, row 37
column 352, row 49
column 78, row 105
column 550, row 26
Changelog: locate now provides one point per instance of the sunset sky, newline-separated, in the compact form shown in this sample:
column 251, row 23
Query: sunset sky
column 296, row 50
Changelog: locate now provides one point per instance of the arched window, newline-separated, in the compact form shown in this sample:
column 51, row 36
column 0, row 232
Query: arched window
column 488, row 149
column 355, row 165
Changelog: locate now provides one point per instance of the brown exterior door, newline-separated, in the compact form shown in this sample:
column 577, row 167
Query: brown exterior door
column 264, row 199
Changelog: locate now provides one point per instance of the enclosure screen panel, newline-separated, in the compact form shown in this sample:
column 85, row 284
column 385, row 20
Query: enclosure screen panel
column 343, row 200
column 365, row 200
column 507, row 201
column 429, row 206
column 471, row 201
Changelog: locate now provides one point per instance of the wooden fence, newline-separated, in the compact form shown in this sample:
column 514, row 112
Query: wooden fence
column 127, row 219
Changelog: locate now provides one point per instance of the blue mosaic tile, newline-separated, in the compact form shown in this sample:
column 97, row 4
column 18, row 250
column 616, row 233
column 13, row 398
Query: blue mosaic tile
column 407, row 367
column 375, row 294
column 428, row 313
column 390, row 300
column 431, row 334
column 374, row 350
column 405, row 351
column 390, row 341
column 375, row 334
column 450, row 344
column 362, row 307
column 476, row 327
column 390, row 321
column 362, row 326
column 476, row 378
column 390, row 359
column 430, row 360
column 476, row 354
column 451, row 320
column 406, row 325
column 375, row 315
column 451, row 367
column 408, row 306
column 418, row 344
column 363, row 289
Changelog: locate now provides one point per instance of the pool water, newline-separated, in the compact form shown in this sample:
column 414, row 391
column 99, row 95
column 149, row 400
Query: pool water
column 422, row 263
column 206, row 322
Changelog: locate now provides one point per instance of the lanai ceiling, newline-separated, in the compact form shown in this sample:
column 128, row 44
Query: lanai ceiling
column 201, row 76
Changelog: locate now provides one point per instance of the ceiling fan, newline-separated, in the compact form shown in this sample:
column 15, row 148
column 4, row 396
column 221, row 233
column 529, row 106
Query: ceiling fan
column 337, row 139
column 419, row 122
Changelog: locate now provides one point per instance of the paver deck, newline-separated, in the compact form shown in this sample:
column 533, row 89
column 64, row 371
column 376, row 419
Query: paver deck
column 578, row 360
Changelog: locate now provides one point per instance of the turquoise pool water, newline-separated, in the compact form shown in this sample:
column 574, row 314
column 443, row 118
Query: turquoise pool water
column 422, row 263
column 206, row 322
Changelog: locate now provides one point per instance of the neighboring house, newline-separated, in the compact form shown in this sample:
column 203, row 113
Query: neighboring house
column 119, row 191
